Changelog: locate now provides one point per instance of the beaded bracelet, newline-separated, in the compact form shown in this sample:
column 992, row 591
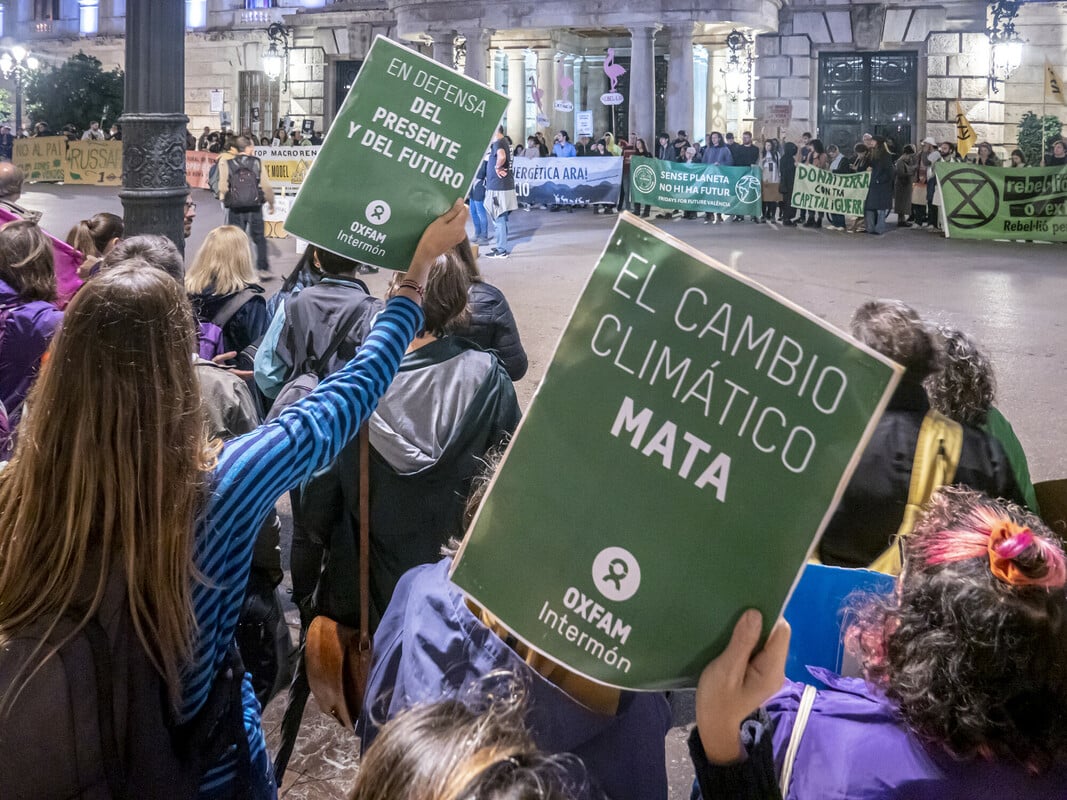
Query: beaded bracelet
column 410, row 284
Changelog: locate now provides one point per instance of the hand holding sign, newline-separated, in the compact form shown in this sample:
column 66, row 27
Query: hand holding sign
column 737, row 683
column 440, row 236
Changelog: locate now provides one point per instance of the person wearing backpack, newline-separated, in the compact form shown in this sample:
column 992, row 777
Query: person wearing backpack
column 244, row 188
column 29, row 315
column 127, row 537
column 223, row 289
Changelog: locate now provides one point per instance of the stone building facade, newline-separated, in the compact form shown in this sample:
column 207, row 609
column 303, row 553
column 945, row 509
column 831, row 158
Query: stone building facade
column 836, row 68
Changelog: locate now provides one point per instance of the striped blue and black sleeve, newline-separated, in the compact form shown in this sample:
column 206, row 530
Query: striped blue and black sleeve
column 255, row 469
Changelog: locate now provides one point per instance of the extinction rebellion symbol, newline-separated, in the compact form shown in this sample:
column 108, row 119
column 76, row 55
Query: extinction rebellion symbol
column 644, row 179
column 979, row 199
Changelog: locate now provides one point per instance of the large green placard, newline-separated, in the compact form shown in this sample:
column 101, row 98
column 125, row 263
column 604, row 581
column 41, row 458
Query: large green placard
column 1003, row 203
column 696, row 187
column 405, row 144
column 688, row 442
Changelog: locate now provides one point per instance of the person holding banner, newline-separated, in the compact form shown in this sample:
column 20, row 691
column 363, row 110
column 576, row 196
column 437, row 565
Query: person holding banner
column 1057, row 157
column 964, row 687
column 715, row 152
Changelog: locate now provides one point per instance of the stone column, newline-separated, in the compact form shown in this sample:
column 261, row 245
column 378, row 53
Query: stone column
column 153, row 125
column 477, row 53
column 598, row 84
column 516, row 125
column 680, row 81
column 546, row 82
column 700, row 92
column 565, row 119
column 643, row 82
column 444, row 48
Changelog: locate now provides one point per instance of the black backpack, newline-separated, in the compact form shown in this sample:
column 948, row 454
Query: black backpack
column 94, row 722
column 244, row 190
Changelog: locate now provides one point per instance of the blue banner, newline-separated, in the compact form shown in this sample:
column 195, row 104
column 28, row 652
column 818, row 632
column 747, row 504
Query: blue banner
column 568, row 181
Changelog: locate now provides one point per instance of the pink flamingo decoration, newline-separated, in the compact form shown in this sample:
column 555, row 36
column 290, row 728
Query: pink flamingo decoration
column 565, row 83
column 612, row 70
column 537, row 93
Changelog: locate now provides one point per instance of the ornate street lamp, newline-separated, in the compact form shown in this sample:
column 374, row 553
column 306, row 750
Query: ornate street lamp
column 1006, row 49
column 276, row 59
column 737, row 74
column 17, row 63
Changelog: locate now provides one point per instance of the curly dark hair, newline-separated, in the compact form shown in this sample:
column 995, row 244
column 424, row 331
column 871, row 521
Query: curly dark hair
column 896, row 330
column 975, row 664
column 966, row 386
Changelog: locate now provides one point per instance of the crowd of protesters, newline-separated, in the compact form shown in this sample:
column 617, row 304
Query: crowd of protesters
column 902, row 177
column 139, row 625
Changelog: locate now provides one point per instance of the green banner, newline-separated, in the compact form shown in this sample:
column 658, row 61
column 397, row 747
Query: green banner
column 688, row 442
column 405, row 144
column 1003, row 203
column 697, row 187
column 822, row 190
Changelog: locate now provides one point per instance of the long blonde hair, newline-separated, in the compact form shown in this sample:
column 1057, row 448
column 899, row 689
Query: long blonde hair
column 109, row 472
column 223, row 265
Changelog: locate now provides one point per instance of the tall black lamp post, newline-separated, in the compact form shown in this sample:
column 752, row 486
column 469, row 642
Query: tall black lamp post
column 17, row 63
column 153, row 121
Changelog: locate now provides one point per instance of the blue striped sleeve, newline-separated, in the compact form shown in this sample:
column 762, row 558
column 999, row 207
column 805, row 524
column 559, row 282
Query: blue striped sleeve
column 255, row 469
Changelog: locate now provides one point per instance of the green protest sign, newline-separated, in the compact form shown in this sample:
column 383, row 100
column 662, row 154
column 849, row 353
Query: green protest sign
column 688, row 442
column 822, row 190
column 1003, row 203
column 697, row 187
column 405, row 144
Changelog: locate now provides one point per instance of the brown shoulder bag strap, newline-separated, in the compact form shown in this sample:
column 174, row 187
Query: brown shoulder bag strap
column 364, row 537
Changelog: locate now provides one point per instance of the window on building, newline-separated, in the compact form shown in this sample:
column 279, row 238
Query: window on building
column 2, row 10
column 195, row 13
column 88, row 17
column 46, row 9
column 252, row 4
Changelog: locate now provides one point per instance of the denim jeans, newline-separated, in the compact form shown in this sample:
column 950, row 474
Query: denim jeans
column 875, row 220
column 480, row 219
column 837, row 220
column 501, row 224
column 251, row 222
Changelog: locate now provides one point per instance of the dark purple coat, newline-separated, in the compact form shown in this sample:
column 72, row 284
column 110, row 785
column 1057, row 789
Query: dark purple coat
column 429, row 646
column 855, row 748
column 27, row 330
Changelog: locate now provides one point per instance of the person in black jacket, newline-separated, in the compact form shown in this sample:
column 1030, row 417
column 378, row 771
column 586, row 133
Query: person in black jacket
column 872, row 507
column 880, row 193
column 491, row 325
column 788, row 166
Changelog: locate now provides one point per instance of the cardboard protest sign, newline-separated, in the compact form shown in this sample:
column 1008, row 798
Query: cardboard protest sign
column 93, row 163
column 287, row 167
column 822, row 190
column 41, row 158
column 568, row 181
column 1003, row 203
column 405, row 144
column 697, row 187
column 689, row 440
column 198, row 164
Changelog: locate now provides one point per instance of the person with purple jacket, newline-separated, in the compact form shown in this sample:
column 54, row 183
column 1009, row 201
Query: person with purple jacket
column 433, row 644
column 29, row 315
column 965, row 689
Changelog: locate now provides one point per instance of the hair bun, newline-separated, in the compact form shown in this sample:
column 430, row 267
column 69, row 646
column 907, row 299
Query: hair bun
column 1019, row 558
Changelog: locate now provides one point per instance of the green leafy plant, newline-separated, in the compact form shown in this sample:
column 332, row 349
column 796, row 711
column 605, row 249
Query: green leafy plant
column 1035, row 132
column 77, row 91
